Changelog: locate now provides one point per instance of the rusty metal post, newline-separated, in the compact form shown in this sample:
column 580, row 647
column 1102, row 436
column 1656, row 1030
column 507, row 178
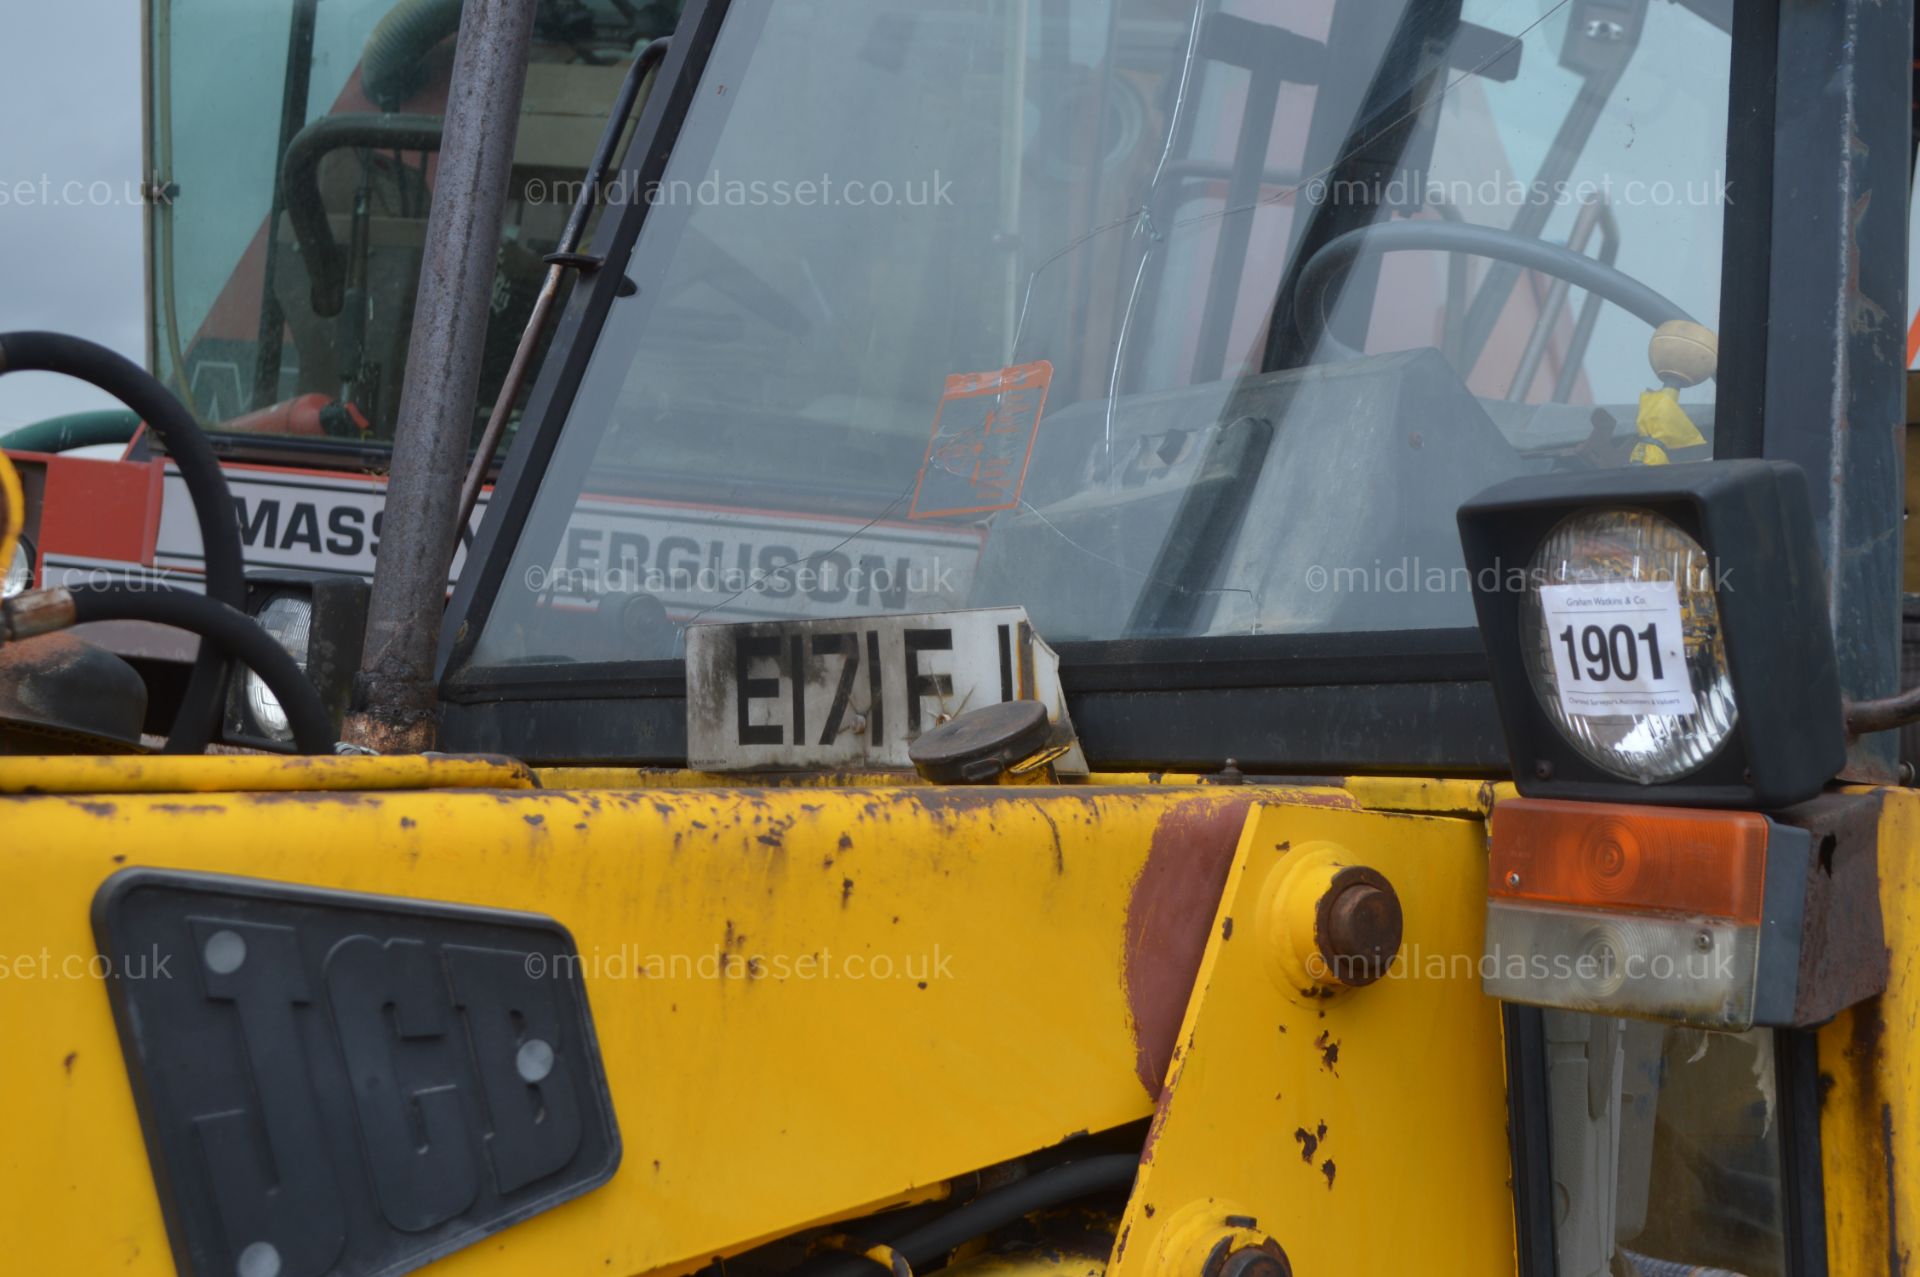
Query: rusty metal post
column 394, row 701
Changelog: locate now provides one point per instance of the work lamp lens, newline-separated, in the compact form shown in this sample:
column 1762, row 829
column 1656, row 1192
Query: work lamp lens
column 1621, row 631
column 19, row 575
column 288, row 618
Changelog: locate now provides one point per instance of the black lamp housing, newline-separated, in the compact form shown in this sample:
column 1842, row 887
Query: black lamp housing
column 334, row 640
column 1754, row 522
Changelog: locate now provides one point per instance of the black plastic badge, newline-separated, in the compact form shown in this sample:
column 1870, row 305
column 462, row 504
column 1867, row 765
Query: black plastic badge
column 344, row 1084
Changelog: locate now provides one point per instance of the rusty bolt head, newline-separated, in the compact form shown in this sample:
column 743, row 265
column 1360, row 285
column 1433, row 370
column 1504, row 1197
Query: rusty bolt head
column 1264, row 1260
column 1358, row 926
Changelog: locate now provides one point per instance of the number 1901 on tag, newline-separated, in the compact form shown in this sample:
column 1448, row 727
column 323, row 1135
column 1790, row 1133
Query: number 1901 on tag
column 1618, row 648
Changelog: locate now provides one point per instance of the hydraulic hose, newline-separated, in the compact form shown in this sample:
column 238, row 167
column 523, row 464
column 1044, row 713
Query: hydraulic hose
column 390, row 61
column 199, row 716
column 228, row 629
column 997, row 1208
column 74, row 430
column 307, row 211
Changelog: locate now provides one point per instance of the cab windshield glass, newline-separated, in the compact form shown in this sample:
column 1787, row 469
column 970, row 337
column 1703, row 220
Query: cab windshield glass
column 1159, row 319
column 296, row 144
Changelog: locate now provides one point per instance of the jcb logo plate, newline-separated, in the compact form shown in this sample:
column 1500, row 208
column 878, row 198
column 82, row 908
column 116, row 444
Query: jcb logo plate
column 334, row 1083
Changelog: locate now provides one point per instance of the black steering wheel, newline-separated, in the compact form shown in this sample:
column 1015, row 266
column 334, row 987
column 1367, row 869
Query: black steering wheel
column 1583, row 272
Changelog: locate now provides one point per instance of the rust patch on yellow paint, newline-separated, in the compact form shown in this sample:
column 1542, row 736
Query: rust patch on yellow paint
column 1169, row 919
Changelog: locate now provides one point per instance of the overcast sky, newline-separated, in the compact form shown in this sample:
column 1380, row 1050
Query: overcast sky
column 70, row 253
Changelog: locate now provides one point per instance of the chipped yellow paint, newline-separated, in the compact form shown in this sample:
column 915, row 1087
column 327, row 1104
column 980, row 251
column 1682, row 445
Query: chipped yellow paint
column 1363, row 1130
column 617, row 778
column 255, row 773
column 1870, row 1069
column 1434, row 797
column 808, row 1001
column 1032, row 939
column 1376, row 793
column 681, row 778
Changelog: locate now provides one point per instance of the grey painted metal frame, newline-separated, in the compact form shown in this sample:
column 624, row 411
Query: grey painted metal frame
column 394, row 694
column 1832, row 394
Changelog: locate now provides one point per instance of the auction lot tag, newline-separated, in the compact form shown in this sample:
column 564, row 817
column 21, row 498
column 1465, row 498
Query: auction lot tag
column 983, row 435
column 783, row 695
column 1619, row 648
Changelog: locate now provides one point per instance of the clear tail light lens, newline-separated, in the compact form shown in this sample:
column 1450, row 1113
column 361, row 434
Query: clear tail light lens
column 1699, row 971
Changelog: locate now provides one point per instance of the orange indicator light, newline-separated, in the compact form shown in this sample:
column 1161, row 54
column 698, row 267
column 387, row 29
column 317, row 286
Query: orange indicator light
column 1629, row 858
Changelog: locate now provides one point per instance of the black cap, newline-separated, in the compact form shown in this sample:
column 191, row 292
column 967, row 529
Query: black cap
column 977, row 746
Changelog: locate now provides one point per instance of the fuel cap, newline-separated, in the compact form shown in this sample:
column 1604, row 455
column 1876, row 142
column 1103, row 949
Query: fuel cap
column 975, row 747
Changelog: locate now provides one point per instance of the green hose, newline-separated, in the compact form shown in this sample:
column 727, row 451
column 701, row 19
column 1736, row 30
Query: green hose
column 390, row 64
column 75, row 430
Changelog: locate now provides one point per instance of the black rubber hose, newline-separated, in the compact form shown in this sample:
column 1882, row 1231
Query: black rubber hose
column 225, row 628
column 391, row 69
column 307, row 211
column 199, row 715
column 1054, row 1186
column 1585, row 273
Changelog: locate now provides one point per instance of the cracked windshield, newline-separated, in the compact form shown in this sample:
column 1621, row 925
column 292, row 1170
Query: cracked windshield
column 1157, row 319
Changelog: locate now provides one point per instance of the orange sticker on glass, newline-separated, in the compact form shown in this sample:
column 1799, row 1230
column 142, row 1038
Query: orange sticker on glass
column 983, row 435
